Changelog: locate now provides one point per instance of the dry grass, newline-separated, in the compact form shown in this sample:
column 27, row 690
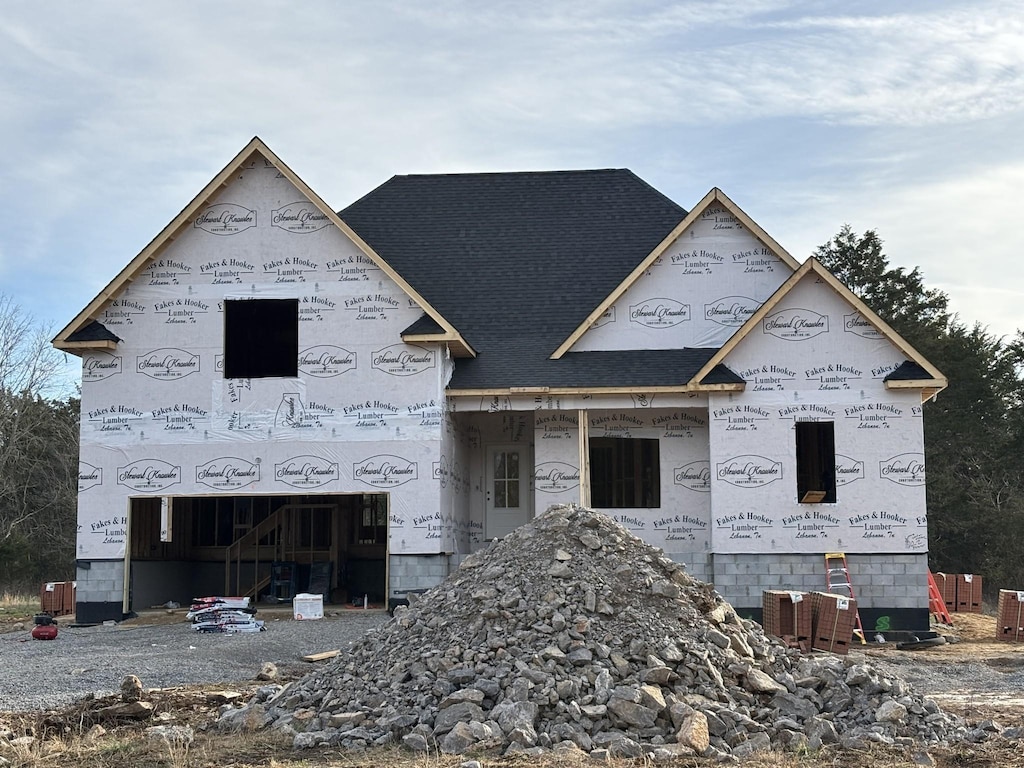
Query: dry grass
column 72, row 737
column 16, row 607
column 130, row 749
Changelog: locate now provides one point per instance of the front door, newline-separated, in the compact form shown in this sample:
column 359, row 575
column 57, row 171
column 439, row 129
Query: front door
column 508, row 491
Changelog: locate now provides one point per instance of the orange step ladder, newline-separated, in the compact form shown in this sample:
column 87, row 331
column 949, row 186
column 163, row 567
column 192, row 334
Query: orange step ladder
column 936, row 605
column 837, row 582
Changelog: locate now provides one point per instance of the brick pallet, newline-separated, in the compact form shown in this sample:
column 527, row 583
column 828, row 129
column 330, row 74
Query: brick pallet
column 968, row 593
column 1010, row 616
column 834, row 618
column 961, row 592
column 787, row 615
column 946, row 582
column 57, row 598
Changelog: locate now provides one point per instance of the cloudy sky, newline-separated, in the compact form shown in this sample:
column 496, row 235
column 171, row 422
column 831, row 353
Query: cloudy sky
column 907, row 118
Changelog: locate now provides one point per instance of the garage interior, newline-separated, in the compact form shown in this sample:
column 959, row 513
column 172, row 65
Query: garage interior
column 269, row 548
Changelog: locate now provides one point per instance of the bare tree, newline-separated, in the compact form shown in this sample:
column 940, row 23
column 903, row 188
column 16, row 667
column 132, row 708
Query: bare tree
column 38, row 450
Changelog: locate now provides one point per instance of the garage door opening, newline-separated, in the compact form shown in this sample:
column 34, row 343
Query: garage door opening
column 269, row 548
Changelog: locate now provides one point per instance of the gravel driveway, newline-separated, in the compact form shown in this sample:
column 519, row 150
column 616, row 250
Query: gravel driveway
column 38, row 674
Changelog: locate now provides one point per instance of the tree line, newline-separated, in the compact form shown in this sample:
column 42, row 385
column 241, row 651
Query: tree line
column 38, row 456
column 974, row 430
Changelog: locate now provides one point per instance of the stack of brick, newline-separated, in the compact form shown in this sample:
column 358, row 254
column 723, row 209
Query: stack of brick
column 787, row 616
column 968, row 593
column 1010, row 616
column 946, row 582
column 961, row 592
column 57, row 598
column 834, row 618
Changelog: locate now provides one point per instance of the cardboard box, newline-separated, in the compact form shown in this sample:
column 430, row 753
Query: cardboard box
column 306, row 606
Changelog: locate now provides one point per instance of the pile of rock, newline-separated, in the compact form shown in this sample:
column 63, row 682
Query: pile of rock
column 573, row 634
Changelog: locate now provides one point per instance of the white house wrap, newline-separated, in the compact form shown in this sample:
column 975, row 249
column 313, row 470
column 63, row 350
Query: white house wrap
column 440, row 397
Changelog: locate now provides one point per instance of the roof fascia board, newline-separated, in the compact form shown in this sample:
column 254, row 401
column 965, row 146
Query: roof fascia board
column 714, row 196
column 171, row 231
column 158, row 243
column 459, row 346
column 911, row 383
column 937, row 381
column 512, row 391
column 756, row 231
column 451, row 333
column 76, row 346
column 752, row 321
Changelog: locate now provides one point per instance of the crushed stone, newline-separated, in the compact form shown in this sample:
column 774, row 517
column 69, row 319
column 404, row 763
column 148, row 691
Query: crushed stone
column 573, row 635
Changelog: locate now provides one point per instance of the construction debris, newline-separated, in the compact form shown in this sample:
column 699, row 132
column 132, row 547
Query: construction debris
column 224, row 614
column 324, row 656
column 572, row 634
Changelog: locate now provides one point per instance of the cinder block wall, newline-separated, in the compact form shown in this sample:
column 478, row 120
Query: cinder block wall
column 416, row 572
column 881, row 582
column 100, row 591
column 697, row 564
column 101, row 582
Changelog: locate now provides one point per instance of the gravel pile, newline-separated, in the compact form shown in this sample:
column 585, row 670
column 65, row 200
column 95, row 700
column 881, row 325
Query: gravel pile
column 572, row 634
column 37, row 674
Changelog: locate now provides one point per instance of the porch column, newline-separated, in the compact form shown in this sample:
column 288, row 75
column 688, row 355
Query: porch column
column 584, row 433
column 166, row 518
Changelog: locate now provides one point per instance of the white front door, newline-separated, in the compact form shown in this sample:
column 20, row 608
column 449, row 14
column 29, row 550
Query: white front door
column 507, row 496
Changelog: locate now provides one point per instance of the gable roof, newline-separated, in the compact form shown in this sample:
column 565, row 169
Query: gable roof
column 714, row 197
column 75, row 337
column 547, row 246
column 915, row 373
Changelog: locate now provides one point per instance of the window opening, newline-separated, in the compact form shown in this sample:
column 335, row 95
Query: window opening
column 261, row 338
column 816, row 462
column 624, row 473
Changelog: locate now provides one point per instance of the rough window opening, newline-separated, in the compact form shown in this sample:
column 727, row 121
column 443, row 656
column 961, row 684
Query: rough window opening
column 624, row 473
column 261, row 338
column 816, row 462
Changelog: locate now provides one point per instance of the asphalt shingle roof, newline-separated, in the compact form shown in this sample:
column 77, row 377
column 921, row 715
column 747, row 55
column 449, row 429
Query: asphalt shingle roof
column 94, row 331
column 908, row 370
column 516, row 262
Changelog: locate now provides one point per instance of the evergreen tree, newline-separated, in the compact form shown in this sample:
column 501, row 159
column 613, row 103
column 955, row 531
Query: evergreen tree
column 899, row 297
column 974, row 429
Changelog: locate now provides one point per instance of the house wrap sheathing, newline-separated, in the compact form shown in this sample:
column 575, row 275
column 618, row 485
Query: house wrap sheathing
column 278, row 398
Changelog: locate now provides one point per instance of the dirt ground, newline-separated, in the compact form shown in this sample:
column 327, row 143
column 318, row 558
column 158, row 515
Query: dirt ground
column 973, row 675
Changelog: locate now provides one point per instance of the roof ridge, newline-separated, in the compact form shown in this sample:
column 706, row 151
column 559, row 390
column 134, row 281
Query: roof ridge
column 555, row 172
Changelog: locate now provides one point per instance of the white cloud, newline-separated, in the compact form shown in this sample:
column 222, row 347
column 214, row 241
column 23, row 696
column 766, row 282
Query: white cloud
column 115, row 115
column 960, row 230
